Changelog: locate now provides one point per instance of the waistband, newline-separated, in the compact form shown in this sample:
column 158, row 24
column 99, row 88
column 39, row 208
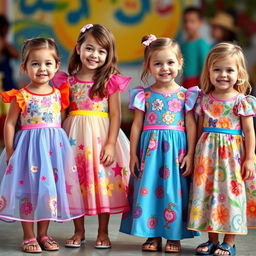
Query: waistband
column 40, row 125
column 222, row 130
column 164, row 127
column 88, row 113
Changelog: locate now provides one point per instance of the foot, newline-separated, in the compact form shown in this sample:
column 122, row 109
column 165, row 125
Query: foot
column 173, row 246
column 225, row 249
column 75, row 240
column 103, row 242
column 206, row 248
column 31, row 246
column 152, row 244
column 48, row 244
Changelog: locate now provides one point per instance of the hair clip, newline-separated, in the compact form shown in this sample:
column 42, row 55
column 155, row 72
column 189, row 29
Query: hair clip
column 86, row 27
column 150, row 39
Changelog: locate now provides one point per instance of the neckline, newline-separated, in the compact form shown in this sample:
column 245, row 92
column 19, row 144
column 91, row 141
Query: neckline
column 228, row 99
column 39, row 94
column 164, row 93
column 81, row 81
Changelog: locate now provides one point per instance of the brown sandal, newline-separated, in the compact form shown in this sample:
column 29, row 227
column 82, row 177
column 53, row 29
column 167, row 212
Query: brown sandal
column 48, row 244
column 30, row 242
column 152, row 245
column 173, row 246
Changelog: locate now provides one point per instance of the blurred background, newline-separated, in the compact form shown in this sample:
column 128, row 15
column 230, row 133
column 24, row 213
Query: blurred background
column 129, row 20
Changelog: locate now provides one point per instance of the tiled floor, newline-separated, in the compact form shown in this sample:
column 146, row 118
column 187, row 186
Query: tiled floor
column 11, row 238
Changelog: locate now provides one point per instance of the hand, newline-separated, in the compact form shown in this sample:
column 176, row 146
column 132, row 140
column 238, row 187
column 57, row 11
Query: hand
column 189, row 163
column 134, row 161
column 248, row 169
column 107, row 154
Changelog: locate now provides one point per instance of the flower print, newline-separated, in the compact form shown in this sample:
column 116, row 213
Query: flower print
column 147, row 94
column 46, row 101
column 9, row 169
column 107, row 187
column 27, row 96
column 86, row 104
column 236, row 187
column 251, row 208
column 98, row 106
column 164, row 172
column 3, row 203
column 174, row 105
column 225, row 122
column 34, row 168
column 157, row 105
column 152, row 118
column 165, row 146
column 26, row 207
column 220, row 214
column 152, row 222
column 47, row 117
column 181, row 123
column 168, row 117
column 212, row 122
column 36, row 120
column 209, row 186
column 159, row 192
column 203, row 169
column 153, row 144
column 119, row 185
column 52, row 203
column 32, row 109
column 144, row 191
column 137, row 212
column 79, row 93
column 216, row 109
column 224, row 152
column 56, row 107
column 181, row 95
column 222, row 197
column 196, row 213
column 235, row 110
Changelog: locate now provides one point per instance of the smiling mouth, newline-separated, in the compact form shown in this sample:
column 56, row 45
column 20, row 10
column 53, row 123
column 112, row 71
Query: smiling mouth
column 93, row 61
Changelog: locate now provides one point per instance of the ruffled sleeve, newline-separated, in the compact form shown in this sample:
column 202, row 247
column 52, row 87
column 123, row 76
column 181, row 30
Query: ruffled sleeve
column 59, row 79
column 64, row 91
column 247, row 106
column 137, row 98
column 199, row 104
column 8, row 96
column 191, row 97
column 117, row 83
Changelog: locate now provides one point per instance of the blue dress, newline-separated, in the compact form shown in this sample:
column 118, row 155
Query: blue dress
column 159, row 196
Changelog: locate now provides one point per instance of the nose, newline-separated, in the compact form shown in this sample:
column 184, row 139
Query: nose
column 94, row 54
column 165, row 66
column 223, row 73
column 42, row 67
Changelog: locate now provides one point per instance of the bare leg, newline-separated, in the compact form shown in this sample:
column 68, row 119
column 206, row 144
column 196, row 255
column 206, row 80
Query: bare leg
column 79, row 232
column 229, row 239
column 213, row 237
column 103, row 238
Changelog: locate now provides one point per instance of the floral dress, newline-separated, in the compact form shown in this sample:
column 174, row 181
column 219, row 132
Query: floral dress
column 222, row 202
column 159, row 196
column 40, row 181
column 104, row 189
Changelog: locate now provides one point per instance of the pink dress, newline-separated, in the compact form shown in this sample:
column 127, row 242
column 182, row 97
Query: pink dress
column 104, row 189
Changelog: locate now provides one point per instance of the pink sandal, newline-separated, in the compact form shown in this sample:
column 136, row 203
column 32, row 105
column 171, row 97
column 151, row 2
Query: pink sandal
column 48, row 244
column 30, row 242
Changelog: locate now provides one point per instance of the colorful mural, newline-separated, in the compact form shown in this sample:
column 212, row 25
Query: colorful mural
column 129, row 20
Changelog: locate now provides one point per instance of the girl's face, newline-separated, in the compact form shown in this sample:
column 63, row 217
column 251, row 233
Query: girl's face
column 41, row 66
column 217, row 33
column 92, row 55
column 224, row 74
column 164, row 66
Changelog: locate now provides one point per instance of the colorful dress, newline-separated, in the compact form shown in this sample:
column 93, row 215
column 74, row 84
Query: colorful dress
column 41, row 180
column 159, row 196
column 222, row 202
column 104, row 189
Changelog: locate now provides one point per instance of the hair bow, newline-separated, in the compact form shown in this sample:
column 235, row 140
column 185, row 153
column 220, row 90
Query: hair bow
column 150, row 39
column 86, row 27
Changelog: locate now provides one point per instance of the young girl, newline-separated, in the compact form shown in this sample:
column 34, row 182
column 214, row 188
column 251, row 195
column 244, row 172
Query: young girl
column 93, row 126
column 159, row 151
column 39, row 183
column 224, row 199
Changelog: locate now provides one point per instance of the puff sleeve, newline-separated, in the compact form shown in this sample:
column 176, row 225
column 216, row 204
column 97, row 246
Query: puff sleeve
column 59, row 79
column 191, row 97
column 247, row 106
column 64, row 91
column 137, row 98
column 8, row 96
column 117, row 83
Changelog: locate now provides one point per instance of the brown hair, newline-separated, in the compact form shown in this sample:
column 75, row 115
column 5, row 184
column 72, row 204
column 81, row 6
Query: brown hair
column 38, row 43
column 220, row 52
column 156, row 45
column 106, row 40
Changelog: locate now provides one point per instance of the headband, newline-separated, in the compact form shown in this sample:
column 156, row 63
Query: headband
column 150, row 39
column 86, row 27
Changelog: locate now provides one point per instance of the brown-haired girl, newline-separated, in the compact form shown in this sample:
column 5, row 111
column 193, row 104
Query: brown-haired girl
column 93, row 126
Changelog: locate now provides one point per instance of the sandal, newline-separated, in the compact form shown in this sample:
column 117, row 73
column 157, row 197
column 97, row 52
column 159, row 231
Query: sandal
column 152, row 245
column 211, row 248
column 173, row 246
column 70, row 243
column 26, row 244
column 104, row 244
column 48, row 244
column 226, row 248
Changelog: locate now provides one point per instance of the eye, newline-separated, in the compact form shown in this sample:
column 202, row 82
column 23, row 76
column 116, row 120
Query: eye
column 230, row 70
column 170, row 62
column 102, row 52
column 49, row 63
column 157, row 64
column 88, row 48
column 216, row 70
column 34, row 64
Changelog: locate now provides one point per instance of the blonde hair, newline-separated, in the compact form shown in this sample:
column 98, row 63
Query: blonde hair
column 156, row 45
column 220, row 52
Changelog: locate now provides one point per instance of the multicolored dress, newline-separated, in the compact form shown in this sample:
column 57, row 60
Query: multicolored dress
column 104, row 189
column 159, row 195
column 221, row 201
column 40, row 181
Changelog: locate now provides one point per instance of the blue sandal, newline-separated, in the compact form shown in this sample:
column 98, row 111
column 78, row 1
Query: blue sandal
column 211, row 248
column 227, row 248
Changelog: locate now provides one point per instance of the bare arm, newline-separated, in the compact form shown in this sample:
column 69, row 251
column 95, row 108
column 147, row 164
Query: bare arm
column 200, row 126
column 134, row 139
column 9, row 128
column 12, row 51
column 249, row 135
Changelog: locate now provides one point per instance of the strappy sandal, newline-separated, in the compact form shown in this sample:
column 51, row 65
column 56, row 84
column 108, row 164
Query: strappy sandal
column 226, row 248
column 211, row 248
column 45, row 241
column 152, row 245
column 170, row 245
column 26, row 244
